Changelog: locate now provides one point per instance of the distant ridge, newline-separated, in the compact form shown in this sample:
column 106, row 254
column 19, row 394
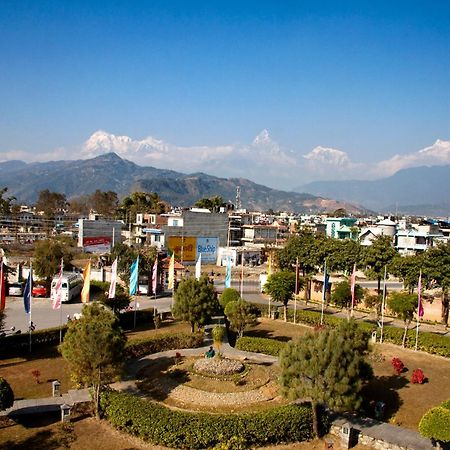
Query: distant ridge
column 419, row 190
column 110, row 172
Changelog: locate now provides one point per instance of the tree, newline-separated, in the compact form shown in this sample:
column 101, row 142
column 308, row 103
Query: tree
column 48, row 254
column 309, row 249
column 125, row 255
column 120, row 301
column 93, row 346
column 141, row 202
column 241, row 315
column 407, row 269
column 213, row 204
column 6, row 395
column 377, row 256
column 326, row 366
column 5, row 203
column 342, row 294
column 104, row 203
column 343, row 254
column 228, row 295
column 281, row 286
column 435, row 423
column 195, row 301
column 437, row 269
column 51, row 202
column 403, row 305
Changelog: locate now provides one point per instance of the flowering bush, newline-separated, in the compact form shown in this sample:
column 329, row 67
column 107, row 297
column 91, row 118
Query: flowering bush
column 417, row 377
column 398, row 365
column 36, row 375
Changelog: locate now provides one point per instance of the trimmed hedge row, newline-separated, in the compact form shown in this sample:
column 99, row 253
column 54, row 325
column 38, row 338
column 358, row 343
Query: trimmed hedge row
column 160, row 425
column 428, row 342
column 19, row 344
column 162, row 342
column 260, row 345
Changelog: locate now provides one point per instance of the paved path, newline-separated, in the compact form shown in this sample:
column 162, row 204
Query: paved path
column 43, row 405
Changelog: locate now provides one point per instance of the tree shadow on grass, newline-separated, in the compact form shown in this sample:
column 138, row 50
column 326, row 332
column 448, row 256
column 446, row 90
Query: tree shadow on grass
column 161, row 377
column 383, row 389
column 267, row 335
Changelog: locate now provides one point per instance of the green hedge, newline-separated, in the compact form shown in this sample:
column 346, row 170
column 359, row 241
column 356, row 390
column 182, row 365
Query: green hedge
column 160, row 425
column 137, row 348
column 19, row 344
column 260, row 345
column 143, row 317
column 428, row 342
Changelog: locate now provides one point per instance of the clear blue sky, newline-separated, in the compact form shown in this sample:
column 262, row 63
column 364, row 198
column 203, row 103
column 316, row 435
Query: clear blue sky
column 370, row 77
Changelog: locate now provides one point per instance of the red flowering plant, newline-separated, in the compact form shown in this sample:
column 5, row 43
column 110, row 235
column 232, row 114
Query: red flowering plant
column 417, row 376
column 398, row 365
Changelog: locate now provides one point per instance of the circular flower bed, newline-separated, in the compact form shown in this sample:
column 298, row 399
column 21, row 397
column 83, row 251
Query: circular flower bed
column 218, row 366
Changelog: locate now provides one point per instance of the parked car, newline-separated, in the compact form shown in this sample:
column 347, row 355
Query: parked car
column 39, row 291
column 16, row 289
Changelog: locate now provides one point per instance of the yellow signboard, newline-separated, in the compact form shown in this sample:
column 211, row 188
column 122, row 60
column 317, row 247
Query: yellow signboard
column 183, row 247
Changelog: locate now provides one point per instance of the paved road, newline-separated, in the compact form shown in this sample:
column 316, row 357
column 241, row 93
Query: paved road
column 43, row 316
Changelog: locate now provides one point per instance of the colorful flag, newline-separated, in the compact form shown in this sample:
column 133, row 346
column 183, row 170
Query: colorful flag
column 27, row 292
column 171, row 271
column 112, row 286
column 2, row 288
column 155, row 276
column 419, row 296
column 58, row 288
column 353, row 285
column 228, row 274
column 326, row 279
column 87, row 283
column 134, row 270
column 198, row 267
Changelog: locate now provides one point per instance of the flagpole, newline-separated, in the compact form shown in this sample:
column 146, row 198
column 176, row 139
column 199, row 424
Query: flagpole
column 296, row 290
column 419, row 288
column 242, row 275
column 31, row 301
column 60, row 308
column 323, row 291
column 383, row 301
column 352, row 289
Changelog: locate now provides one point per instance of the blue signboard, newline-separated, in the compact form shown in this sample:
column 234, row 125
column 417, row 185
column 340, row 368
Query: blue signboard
column 207, row 247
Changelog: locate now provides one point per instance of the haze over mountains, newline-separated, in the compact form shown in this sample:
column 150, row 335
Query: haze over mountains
column 419, row 190
column 110, row 172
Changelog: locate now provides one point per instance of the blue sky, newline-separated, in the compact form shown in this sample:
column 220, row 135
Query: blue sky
column 370, row 79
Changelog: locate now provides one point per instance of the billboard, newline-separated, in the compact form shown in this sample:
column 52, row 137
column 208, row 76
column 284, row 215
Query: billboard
column 207, row 247
column 183, row 247
column 98, row 244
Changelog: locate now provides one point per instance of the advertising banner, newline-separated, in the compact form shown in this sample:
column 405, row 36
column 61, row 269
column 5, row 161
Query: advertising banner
column 207, row 247
column 98, row 244
column 183, row 247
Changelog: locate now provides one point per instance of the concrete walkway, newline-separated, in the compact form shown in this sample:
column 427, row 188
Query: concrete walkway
column 43, row 405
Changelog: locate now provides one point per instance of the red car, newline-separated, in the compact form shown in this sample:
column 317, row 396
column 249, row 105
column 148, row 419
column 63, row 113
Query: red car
column 39, row 291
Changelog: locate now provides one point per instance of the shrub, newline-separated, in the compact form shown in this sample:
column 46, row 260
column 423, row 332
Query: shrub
column 398, row 365
column 138, row 348
column 143, row 317
column 417, row 376
column 260, row 345
column 435, row 424
column 160, row 425
column 6, row 395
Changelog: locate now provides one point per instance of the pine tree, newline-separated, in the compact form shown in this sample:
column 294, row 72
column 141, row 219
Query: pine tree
column 6, row 395
column 195, row 301
column 241, row 315
column 93, row 347
column 326, row 367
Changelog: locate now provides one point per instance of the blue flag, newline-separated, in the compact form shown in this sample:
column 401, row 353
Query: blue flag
column 228, row 274
column 326, row 279
column 134, row 277
column 27, row 292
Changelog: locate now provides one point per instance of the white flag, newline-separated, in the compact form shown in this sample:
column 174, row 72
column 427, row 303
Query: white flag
column 58, row 289
column 198, row 267
column 112, row 286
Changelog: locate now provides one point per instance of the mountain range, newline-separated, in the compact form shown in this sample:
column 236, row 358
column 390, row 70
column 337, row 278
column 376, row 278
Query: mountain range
column 419, row 190
column 109, row 172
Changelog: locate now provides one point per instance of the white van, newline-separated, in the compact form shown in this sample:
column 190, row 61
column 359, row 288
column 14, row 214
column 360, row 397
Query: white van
column 72, row 284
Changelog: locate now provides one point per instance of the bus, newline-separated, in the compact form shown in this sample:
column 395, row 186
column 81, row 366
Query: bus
column 72, row 284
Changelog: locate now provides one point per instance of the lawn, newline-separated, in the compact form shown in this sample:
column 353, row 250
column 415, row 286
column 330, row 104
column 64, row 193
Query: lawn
column 405, row 402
